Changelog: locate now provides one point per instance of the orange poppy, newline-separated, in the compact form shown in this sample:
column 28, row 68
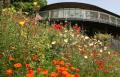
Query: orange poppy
column 58, row 68
column 63, row 69
column 77, row 70
column 11, row 58
column 53, row 74
column 110, row 66
column 54, row 62
column 73, row 68
column 66, row 74
column 45, row 72
column 17, row 65
column 61, row 62
column 9, row 72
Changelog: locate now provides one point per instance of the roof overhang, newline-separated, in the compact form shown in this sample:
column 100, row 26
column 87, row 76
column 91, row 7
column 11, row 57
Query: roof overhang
column 76, row 5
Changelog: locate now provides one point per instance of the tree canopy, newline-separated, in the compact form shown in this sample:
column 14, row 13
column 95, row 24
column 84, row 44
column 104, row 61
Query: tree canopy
column 25, row 5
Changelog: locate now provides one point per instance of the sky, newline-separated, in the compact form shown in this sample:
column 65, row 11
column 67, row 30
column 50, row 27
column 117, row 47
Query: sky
column 110, row 5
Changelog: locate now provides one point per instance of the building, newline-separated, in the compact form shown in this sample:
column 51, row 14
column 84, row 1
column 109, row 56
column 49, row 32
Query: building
column 90, row 17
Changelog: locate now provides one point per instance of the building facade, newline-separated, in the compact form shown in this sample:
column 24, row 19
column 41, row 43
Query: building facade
column 79, row 11
column 91, row 18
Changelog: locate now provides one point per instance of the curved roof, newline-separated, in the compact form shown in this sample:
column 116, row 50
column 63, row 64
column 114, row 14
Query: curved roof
column 76, row 5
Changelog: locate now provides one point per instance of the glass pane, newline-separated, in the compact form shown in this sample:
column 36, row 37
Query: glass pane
column 66, row 13
column 93, row 15
column 72, row 12
column 44, row 14
column 87, row 14
column 118, row 21
column 54, row 14
column 104, row 17
column 60, row 13
column 113, row 19
column 79, row 13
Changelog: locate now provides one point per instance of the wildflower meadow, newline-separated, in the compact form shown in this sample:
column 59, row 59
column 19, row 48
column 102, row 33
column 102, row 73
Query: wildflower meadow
column 38, row 49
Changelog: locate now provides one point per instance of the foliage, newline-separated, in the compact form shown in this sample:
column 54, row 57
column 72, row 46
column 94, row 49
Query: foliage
column 27, row 50
column 29, row 6
column 103, row 36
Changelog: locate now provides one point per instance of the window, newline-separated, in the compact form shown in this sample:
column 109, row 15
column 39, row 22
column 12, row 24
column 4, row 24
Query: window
column 54, row 14
column 87, row 14
column 93, row 15
column 104, row 17
column 118, row 21
column 44, row 14
column 113, row 19
column 72, row 12
column 66, row 12
column 78, row 13
column 60, row 13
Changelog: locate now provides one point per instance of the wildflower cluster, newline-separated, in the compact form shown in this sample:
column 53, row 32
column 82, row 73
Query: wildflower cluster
column 27, row 51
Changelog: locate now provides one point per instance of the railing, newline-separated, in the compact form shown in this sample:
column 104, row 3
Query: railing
column 115, row 44
column 81, row 14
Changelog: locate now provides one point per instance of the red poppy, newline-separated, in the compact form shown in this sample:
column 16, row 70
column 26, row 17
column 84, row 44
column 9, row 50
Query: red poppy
column 30, row 73
column 35, row 57
column 76, row 27
column 76, row 75
column 57, row 27
column 39, row 69
column 27, row 65
column 1, row 56
column 101, row 64
column 106, row 71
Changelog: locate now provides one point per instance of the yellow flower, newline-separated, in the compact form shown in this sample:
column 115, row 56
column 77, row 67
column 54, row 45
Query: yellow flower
column 22, row 23
column 34, row 3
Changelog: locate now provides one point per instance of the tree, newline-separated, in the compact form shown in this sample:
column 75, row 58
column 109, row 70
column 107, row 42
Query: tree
column 6, row 3
column 1, row 6
column 29, row 5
